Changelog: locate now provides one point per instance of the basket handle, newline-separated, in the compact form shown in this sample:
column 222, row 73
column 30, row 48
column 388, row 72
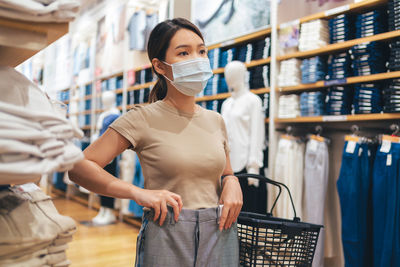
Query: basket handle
column 275, row 183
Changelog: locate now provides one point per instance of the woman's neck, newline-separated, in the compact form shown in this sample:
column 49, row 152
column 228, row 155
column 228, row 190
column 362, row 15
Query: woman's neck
column 180, row 101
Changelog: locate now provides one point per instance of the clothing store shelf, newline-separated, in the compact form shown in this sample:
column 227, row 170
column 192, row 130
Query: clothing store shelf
column 100, row 110
column 83, row 84
column 350, row 80
column 119, row 91
column 109, row 76
column 241, row 39
column 66, row 102
column 86, row 127
column 350, row 8
column 342, row 118
column 86, row 97
column 250, row 64
column 21, row 40
column 119, row 108
column 141, row 86
column 267, row 120
column 147, row 66
column 226, row 95
column 329, row 49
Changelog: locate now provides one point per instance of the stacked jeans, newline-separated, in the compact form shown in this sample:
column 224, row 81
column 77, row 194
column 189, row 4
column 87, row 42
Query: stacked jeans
column 222, row 85
column 35, row 137
column 369, row 58
column 241, row 53
column 391, row 97
column 367, row 98
column 289, row 106
column 313, row 69
column 33, row 233
column 227, row 56
column 386, row 205
column 394, row 59
column 312, row 104
column 261, row 49
column 354, row 189
column 316, row 173
column 313, row 35
column 339, row 66
column 339, row 100
column 371, row 23
column 394, row 15
column 140, row 96
column 212, row 85
column 341, row 28
column 290, row 153
column 213, row 56
column 259, row 77
column 289, row 74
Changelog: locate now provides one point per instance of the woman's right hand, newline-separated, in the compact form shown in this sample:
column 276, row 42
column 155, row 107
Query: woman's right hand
column 158, row 201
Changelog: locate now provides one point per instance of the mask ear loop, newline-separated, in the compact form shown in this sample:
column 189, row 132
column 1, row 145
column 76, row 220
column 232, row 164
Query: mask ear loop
column 172, row 72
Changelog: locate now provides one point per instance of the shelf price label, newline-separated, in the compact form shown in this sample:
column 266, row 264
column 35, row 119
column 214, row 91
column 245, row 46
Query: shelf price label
column 334, row 118
column 335, row 82
column 337, row 10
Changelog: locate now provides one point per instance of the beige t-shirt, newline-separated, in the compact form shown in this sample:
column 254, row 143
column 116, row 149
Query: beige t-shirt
column 180, row 152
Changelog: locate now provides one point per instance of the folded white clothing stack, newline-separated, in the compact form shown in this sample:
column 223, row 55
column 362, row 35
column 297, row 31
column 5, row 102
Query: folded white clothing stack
column 35, row 138
column 32, row 232
column 40, row 10
column 289, row 74
column 314, row 35
column 289, row 106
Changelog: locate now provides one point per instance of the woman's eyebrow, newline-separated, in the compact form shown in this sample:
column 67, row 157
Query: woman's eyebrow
column 185, row 46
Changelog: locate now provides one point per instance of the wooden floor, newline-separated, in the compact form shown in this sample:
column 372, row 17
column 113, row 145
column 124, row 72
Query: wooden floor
column 111, row 245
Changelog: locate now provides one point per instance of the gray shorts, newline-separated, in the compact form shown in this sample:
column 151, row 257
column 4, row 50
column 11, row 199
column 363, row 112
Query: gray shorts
column 194, row 241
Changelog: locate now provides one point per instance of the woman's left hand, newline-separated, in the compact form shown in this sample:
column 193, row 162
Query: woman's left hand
column 232, row 199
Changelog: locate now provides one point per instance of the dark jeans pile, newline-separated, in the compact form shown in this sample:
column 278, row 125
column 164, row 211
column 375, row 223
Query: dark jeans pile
column 312, row 104
column 259, row 77
column 391, row 97
column 339, row 66
column 369, row 58
column 341, row 28
column 339, row 100
column 367, row 98
column 371, row 23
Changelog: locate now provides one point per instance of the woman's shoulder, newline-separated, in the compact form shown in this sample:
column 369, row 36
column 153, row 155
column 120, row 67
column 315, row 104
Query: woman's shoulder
column 212, row 115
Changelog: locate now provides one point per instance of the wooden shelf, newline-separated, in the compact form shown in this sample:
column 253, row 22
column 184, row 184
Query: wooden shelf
column 142, row 67
column 342, row 118
column 250, row 64
column 80, row 113
column 20, row 40
column 119, row 108
column 119, row 91
column 141, row 86
column 66, row 102
column 340, row 46
column 266, row 120
column 350, row 80
column 107, row 77
column 86, row 127
column 226, row 95
column 87, row 97
column 99, row 110
column 350, row 8
column 241, row 39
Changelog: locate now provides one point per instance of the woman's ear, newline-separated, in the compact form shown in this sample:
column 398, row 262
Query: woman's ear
column 159, row 67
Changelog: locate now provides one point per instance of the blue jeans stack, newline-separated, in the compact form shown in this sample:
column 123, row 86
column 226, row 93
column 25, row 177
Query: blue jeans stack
column 312, row 104
column 371, row 23
column 259, row 77
column 313, row 69
column 339, row 100
column 391, row 97
column 215, row 105
column 339, row 66
column 208, row 89
column 227, row 56
column 241, row 52
column 261, row 49
column 213, row 55
column 369, row 58
column 222, row 86
column 394, row 15
column 341, row 28
column 367, row 98
column 148, row 75
column 394, row 59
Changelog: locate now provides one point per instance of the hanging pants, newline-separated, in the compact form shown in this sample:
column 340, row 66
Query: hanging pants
column 386, row 208
column 353, row 187
column 193, row 241
column 316, row 168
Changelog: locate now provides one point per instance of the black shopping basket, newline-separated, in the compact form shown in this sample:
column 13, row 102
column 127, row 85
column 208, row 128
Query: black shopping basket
column 265, row 240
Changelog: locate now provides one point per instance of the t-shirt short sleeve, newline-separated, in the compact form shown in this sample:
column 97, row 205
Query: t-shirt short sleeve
column 224, row 135
column 131, row 125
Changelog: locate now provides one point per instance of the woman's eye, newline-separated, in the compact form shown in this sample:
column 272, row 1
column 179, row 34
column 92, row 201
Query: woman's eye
column 203, row 52
column 184, row 53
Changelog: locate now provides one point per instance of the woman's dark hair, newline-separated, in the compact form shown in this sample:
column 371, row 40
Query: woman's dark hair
column 157, row 46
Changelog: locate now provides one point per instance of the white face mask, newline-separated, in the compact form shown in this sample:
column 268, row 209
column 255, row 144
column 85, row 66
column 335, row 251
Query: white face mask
column 190, row 76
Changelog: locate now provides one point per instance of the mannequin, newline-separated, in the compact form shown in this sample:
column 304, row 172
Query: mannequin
column 244, row 119
column 110, row 113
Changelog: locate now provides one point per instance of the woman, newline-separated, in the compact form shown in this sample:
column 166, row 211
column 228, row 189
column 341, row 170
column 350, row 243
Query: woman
column 183, row 151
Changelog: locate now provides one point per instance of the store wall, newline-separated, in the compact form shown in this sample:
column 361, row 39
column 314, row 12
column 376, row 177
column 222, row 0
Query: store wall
column 288, row 11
